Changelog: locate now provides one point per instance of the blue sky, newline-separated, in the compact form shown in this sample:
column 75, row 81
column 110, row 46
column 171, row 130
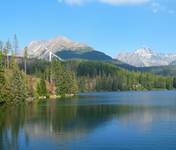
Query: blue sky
column 111, row 26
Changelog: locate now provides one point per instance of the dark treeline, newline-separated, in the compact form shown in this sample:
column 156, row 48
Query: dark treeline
column 64, row 80
column 99, row 76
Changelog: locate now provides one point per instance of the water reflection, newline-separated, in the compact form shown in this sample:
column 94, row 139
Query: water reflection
column 20, row 125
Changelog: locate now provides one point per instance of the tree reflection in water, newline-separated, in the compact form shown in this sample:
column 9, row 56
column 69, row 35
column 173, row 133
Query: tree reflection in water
column 21, row 123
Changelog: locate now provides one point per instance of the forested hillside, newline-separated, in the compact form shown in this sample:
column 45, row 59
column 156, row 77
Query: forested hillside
column 101, row 76
column 161, row 70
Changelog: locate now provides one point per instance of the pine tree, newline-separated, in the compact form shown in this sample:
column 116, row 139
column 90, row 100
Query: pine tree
column 12, row 61
column 2, row 80
column 1, row 45
column 31, row 92
column 6, row 50
column 42, row 90
column 66, row 83
column 1, row 56
column 5, row 53
column 2, row 85
column 18, row 88
column 74, row 84
column 25, row 59
column 174, row 82
column 61, row 84
column 169, row 82
column 4, row 88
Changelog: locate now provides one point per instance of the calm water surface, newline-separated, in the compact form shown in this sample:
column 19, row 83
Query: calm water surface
column 122, row 121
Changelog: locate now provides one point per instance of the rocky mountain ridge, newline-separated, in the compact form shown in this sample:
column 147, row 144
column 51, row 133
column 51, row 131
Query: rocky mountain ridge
column 145, row 57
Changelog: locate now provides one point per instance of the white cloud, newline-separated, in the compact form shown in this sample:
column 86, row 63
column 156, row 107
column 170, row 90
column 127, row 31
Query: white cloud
column 155, row 5
column 111, row 2
column 125, row 2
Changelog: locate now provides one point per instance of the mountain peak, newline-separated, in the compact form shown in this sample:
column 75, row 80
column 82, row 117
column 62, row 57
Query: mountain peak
column 145, row 57
column 66, row 49
column 61, row 39
column 144, row 52
column 60, row 43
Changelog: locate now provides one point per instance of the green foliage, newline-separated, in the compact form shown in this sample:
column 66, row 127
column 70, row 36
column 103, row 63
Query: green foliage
column 12, row 61
column 25, row 59
column 65, row 80
column 66, row 84
column 92, row 68
column 1, row 45
column 35, row 67
column 169, row 83
column 2, row 85
column 54, row 72
column 174, row 82
column 42, row 90
column 17, row 86
column 2, row 80
column 98, row 76
column 86, row 54
column 1, row 58
column 13, row 87
column 169, row 70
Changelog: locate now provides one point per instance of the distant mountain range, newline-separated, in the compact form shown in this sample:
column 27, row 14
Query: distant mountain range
column 145, row 57
column 68, row 49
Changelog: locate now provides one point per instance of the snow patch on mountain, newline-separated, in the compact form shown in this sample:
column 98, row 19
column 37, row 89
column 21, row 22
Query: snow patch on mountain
column 145, row 57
